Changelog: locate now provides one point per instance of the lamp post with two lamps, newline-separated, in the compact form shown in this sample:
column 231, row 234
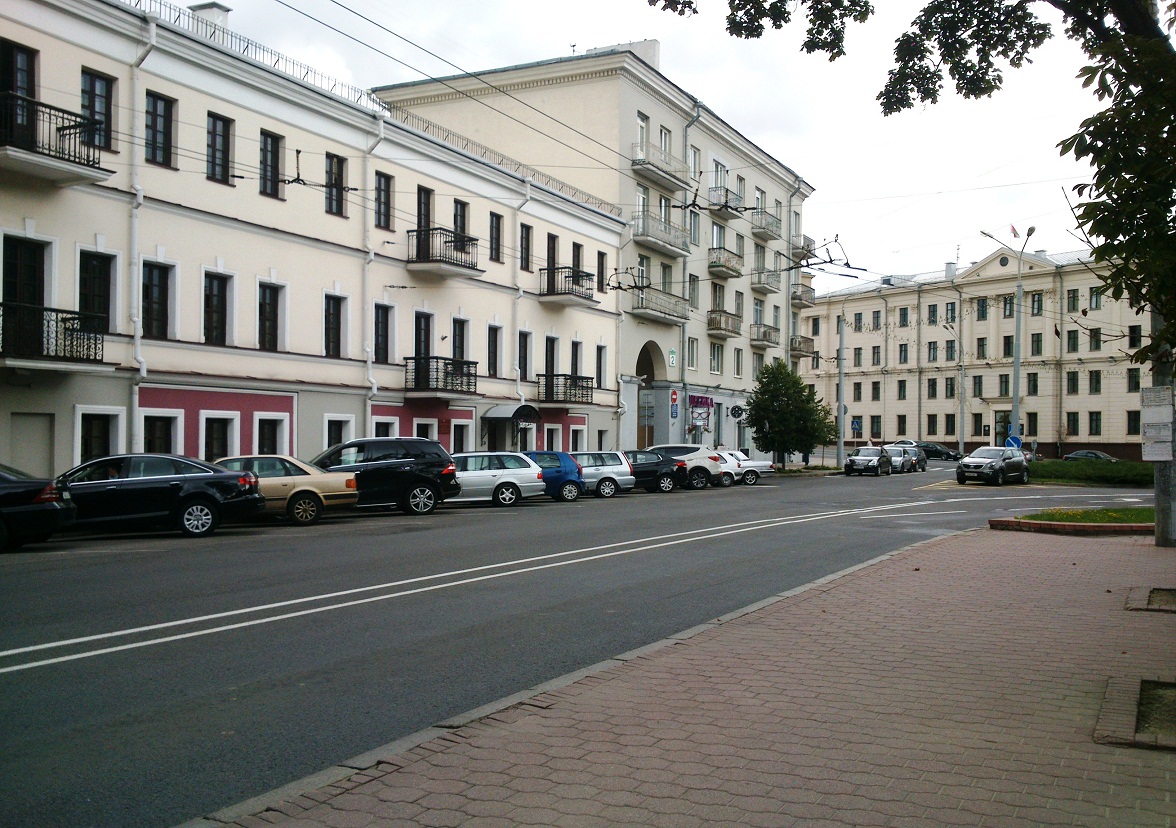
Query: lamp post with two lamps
column 1015, row 424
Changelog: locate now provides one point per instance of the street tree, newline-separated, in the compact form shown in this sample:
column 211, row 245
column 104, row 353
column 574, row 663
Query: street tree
column 785, row 415
column 1128, row 209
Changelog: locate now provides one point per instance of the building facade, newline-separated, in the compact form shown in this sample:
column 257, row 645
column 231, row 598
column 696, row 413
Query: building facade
column 709, row 273
column 931, row 357
column 210, row 248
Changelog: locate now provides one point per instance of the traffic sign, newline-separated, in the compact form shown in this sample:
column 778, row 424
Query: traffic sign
column 673, row 395
column 673, row 411
column 855, row 425
column 1013, row 441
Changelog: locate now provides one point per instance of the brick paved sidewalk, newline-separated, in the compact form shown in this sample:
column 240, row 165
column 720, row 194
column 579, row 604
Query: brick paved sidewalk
column 958, row 682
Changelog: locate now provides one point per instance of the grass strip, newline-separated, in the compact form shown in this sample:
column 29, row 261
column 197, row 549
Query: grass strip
column 1128, row 514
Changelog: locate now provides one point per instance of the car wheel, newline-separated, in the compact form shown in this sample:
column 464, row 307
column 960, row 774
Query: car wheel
column 304, row 509
column 877, row 471
column 569, row 492
column 726, row 479
column 606, row 487
column 961, row 480
column 665, row 483
column 199, row 518
column 420, row 500
column 1025, row 476
column 750, row 478
column 506, row 495
column 699, row 478
column 998, row 480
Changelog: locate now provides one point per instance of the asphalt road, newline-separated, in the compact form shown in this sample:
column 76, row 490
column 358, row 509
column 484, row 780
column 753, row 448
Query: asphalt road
column 148, row 679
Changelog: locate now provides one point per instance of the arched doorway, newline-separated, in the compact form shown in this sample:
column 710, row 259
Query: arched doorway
column 651, row 368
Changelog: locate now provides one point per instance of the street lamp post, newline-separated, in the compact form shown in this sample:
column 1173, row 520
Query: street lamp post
column 1015, row 425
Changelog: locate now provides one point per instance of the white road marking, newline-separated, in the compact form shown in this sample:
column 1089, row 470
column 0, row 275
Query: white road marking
column 913, row 514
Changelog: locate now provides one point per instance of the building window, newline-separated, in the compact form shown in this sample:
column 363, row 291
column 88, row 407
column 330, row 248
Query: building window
column 219, row 155
column 1096, row 339
column 268, row 316
column 384, row 189
column 1094, row 382
column 333, row 326
column 524, row 356
column 158, row 130
column 903, row 353
column 1094, row 420
column 904, row 317
column 692, row 353
column 525, row 247
column 876, row 355
column 932, row 388
column 932, row 425
column 95, row 277
column 1031, row 424
column 1035, row 344
column 977, row 425
column 1036, row 303
column 1132, row 379
column 716, row 358
column 1007, row 345
column 981, row 347
column 269, row 167
column 900, row 425
column 816, row 328
column 1135, row 336
column 159, row 434
column 216, row 310
column 1009, row 303
column 601, row 271
column 949, row 312
column 875, row 426
column 601, row 365
column 949, row 388
column 857, row 322
column 216, row 438
column 857, row 357
column 1071, row 382
column 933, row 314
column 692, row 282
column 932, row 351
column 382, row 338
column 337, row 432
column 1031, row 384
column 876, row 320
column 981, row 308
column 458, row 331
column 1071, row 423
column 737, row 368
column 98, row 106
column 949, row 424
column 949, row 349
column 156, row 301
column 1096, row 295
column 902, row 389
column 1071, row 342
column 96, row 434
column 757, row 363
column 1133, row 423
column 875, row 391
column 857, row 392
column 1072, row 300
column 496, row 237
column 978, row 386
column 1002, row 382
column 335, row 183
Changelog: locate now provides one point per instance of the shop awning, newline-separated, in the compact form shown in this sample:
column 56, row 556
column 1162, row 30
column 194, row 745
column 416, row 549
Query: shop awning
column 520, row 412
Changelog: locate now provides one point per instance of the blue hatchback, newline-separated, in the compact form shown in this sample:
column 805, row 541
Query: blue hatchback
column 562, row 475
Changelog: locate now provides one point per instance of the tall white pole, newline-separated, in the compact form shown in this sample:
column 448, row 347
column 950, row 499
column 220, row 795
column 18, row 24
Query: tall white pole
column 841, row 390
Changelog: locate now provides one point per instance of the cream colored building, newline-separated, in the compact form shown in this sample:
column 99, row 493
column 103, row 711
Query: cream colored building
column 930, row 357
column 708, row 279
column 246, row 255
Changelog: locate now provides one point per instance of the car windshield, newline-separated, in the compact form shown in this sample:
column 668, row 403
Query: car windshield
column 867, row 452
column 894, row 452
column 990, row 453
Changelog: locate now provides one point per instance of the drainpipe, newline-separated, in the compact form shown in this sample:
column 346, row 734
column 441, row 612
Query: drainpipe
column 960, row 350
column 1058, row 421
column 686, row 198
column 519, row 290
column 368, row 310
column 134, row 274
column 885, row 350
column 788, row 272
column 919, row 359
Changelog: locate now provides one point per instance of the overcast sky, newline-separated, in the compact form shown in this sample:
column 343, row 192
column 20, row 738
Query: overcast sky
column 904, row 194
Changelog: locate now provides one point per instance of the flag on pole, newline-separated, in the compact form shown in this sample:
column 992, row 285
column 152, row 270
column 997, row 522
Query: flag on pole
column 1016, row 235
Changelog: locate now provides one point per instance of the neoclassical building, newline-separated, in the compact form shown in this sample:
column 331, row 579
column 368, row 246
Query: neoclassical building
column 709, row 275
column 210, row 248
column 930, row 357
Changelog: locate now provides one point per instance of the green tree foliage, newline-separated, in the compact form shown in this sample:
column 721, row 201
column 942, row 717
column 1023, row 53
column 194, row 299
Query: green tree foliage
column 785, row 415
column 1128, row 210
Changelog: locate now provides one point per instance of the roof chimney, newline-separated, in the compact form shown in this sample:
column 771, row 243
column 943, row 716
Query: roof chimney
column 949, row 269
column 886, row 280
column 212, row 12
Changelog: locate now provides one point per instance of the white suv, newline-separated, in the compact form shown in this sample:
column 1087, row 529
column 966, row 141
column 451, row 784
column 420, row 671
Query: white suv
column 703, row 464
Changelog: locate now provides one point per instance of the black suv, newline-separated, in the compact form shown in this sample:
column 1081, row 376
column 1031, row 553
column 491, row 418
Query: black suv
column 410, row 472
column 657, row 472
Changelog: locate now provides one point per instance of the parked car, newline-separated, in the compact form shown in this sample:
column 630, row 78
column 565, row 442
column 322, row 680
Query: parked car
column 1091, row 454
column 605, row 472
column 902, row 458
column 501, row 477
column 145, row 491
column 918, row 458
column 31, row 508
column 938, row 451
column 657, row 472
column 729, row 468
column 749, row 471
column 296, row 489
column 563, row 479
column 867, row 459
column 413, row 474
column 703, row 464
column 993, row 464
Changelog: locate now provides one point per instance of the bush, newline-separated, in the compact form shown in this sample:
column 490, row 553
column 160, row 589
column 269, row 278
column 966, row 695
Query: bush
column 1123, row 473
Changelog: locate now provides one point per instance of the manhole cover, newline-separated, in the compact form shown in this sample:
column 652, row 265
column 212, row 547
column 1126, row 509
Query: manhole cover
column 1162, row 599
column 1157, row 709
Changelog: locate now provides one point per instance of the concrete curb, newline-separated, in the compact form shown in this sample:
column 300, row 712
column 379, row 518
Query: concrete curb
column 1054, row 527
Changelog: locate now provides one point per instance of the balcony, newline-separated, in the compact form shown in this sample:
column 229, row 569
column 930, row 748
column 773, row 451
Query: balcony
column 801, row 346
column 723, row 263
column 440, row 377
column 766, row 281
column 48, row 143
column 50, row 335
column 659, row 306
column 659, row 166
column 765, row 225
column 803, row 296
column 764, row 336
column 723, row 324
column 653, row 231
column 724, row 202
column 566, row 286
column 565, row 388
column 436, row 251
column 802, row 248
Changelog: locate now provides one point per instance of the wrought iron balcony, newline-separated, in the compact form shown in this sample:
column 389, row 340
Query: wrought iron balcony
column 566, row 286
column 766, row 281
column 35, row 332
column 726, row 203
column 441, row 375
column 723, row 324
column 442, row 252
column 48, row 143
column 565, row 388
column 653, row 231
column 658, row 165
column 764, row 335
column 722, row 262
column 801, row 345
column 802, row 248
column 660, row 306
column 803, row 295
column 765, row 225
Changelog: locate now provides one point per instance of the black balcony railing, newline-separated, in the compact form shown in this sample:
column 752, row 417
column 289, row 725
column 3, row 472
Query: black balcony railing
column 566, row 281
column 565, row 388
column 34, row 332
column 430, row 373
column 30, row 125
column 438, row 245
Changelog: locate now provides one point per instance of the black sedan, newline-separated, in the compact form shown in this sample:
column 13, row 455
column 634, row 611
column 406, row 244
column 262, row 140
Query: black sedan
column 657, row 472
column 868, row 460
column 1091, row 454
column 149, row 491
column 31, row 508
column 995, row 465
column 938, row 451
